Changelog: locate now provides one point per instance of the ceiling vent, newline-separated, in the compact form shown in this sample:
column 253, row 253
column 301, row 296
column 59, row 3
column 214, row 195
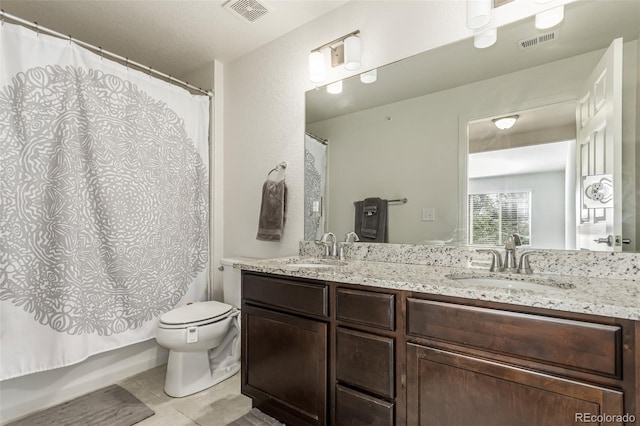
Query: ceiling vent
column 529, row 42
column 249, row 10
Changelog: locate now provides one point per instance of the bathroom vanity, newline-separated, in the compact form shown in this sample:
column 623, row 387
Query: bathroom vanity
column 338, row 346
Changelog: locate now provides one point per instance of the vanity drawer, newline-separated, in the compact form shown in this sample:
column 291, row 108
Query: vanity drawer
column 366, row 307
column 366, row 361
column 571, row 344
column 289, row 294
column 355, row 408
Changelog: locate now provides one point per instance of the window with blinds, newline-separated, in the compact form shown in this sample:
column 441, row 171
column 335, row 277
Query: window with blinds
column 495, row 216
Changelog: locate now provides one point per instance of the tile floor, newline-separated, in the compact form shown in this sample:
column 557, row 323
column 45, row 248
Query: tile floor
column 216, row 406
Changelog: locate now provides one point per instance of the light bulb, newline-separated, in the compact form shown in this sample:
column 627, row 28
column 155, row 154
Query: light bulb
column 316, row 67
column 478, row 13
column 549, row 18
column 486, row 38
column 352, row 53
column 335, row 88
column 505, row 123
column 369, row 76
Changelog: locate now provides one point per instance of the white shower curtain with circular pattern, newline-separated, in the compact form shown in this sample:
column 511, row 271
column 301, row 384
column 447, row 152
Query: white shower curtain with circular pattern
column 103, row 202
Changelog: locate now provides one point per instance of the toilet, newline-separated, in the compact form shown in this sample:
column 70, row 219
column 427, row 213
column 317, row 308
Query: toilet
column 203, row 339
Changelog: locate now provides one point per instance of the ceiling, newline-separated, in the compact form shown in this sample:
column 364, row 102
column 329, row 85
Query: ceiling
column 175, row 37
column 528, row 159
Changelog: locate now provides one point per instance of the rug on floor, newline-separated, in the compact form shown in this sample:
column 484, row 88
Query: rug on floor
column 255, row 417
column 110, row 406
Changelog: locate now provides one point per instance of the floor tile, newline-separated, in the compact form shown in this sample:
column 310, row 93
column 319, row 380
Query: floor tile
column 217, row 406
column 167, row 416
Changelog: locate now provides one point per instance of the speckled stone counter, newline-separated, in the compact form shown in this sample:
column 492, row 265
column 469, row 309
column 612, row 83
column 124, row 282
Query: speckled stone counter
column 598, row 295
column 556, row 262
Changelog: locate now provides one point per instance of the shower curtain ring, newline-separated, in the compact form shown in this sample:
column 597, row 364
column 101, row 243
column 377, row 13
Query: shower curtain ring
column 2, row 17
column 70, row 39
column 101, row 54
column 37, row 29
column 126, row 62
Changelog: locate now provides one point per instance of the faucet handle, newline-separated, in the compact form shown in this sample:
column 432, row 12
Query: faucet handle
column 523, row 265
column 496, row 259
column 349, row 235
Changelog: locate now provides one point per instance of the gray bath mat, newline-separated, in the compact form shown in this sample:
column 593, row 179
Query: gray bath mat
column 255, row 417
column 110, row 406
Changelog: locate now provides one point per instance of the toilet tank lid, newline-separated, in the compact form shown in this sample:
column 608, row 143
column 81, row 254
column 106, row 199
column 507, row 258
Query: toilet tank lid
column 195, row 312
column 229, row 261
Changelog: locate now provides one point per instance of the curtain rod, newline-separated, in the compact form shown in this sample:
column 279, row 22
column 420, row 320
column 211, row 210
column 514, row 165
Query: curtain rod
column 319, row 139
column 97, row 49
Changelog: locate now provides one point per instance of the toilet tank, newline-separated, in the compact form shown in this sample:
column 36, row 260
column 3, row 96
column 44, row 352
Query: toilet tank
column 231, row 278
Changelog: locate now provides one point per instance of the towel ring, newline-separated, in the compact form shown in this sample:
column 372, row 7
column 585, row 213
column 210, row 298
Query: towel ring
column 278, row 166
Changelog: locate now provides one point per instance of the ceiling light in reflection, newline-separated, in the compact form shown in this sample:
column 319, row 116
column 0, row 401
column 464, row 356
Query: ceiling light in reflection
column 335, row 88
column 369, row 76
column 486, row 38
column 504, row 123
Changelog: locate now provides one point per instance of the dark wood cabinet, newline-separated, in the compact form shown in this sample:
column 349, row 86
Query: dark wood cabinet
column 482, row 363
column 285, row 356
column 369, row 356
column 325, row 353
column 447, row 388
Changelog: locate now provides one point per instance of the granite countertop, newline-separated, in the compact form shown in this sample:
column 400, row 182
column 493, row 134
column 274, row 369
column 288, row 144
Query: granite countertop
column 607, row 297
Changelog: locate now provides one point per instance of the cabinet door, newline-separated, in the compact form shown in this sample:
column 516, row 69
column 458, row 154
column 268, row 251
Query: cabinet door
column 284, row 365
column 446, row 388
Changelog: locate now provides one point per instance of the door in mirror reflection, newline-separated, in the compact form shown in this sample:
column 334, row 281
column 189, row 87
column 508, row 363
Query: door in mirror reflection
column 599, row 154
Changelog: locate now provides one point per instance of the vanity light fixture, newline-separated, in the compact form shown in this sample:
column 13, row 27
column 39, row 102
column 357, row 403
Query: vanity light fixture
column 345, row 50
column 335, row 88
column 478, row 13
column 486, row 38
column 369, row 76
column 550, row 17
column 504, row 123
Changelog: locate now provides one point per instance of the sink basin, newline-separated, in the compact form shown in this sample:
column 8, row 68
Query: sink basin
column 511, row 283
column 316, row 264
column 309, row 265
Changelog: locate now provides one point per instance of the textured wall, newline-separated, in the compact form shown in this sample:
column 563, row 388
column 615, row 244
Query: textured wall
column 264, row 101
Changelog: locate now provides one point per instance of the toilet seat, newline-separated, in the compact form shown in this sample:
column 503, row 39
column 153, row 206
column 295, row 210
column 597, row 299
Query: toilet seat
column 195, row 314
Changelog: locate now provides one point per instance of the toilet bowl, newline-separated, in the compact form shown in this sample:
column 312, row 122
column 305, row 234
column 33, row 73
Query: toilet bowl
column 203, row 339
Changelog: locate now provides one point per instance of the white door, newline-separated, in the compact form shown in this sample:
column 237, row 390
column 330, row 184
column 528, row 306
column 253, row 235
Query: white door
column 599, row 155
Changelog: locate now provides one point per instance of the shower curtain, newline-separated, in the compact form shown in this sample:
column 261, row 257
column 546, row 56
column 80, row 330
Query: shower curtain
column 315, row 178
column 103, row 202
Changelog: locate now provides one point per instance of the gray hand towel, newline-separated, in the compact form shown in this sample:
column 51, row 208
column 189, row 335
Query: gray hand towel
column 371, row 220
column 272, row 211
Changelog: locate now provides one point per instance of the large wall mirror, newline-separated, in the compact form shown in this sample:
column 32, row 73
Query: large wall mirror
column 425, row 131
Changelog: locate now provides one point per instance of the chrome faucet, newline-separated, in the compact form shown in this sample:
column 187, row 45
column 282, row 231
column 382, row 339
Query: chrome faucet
column 330, row 248
column 349, row 237
column 509, row 265
column 510, row 253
